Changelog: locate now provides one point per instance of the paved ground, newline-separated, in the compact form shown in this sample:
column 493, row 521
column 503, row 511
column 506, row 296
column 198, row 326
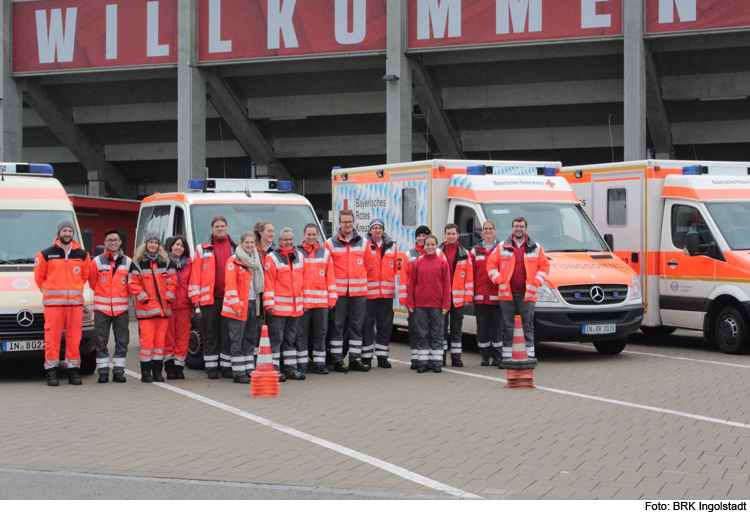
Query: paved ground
column 666, row 419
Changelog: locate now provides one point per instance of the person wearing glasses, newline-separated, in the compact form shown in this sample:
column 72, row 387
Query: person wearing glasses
column 109, row 281
column 352, row 260
column 486, row 302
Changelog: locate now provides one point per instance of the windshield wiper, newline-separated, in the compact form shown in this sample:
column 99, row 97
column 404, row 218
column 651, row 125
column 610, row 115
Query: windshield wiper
column 579, row 250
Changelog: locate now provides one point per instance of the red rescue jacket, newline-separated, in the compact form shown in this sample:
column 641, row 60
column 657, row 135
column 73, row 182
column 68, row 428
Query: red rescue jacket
column 237, row 291
column 320, row 291
column 463, row 276
column 485, row 291
column 109, row 280
column 203, row 272
column 351, row 262
column 152, row 284
column 62, row 279
column 381, row 278
column 502, row 262
column 285, row 282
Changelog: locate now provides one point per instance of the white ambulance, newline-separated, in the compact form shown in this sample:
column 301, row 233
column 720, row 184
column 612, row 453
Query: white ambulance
column 241, row 202
column 684, row 227
column 591, row 296
column 32, row 202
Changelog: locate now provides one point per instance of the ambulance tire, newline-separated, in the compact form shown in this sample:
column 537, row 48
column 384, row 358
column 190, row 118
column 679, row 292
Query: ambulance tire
column 88, row 363
column 731, row 331
column 194, row 359
column 656, row 331
column 611, row 346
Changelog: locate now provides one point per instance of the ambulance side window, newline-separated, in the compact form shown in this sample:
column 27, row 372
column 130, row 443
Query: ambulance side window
column 468, row 223
column 617, row 204
column 687, row 219
column 179, row 222
column 153, row 219
column 409, row 207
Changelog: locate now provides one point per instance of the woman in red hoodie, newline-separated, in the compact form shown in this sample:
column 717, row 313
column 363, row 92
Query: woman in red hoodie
column 429, row 299
column 178, row 331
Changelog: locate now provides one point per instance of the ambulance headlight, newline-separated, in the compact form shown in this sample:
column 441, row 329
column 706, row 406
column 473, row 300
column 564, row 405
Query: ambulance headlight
column 545, row 294
column 635, row 288
column 88, row 314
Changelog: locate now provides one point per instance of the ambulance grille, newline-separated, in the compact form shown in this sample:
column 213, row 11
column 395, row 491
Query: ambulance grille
column 581, row 294
column 9, row 326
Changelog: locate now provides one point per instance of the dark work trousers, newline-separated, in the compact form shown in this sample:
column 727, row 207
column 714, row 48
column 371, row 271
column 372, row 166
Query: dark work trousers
column 351, row 310
column 242, row 339
column 509, row 310
column 215, row 336
column 377, row 330
column 454, row 321
column 282, row 333
column 428, row 323
column 489, row 330
column 119, row 326
column 413, row 339
column 313, row 323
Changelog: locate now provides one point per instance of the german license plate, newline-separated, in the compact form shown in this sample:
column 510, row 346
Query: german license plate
column 20, row 346
column 599, row 329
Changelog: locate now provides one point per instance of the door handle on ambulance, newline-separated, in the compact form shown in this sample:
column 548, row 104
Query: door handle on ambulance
column 673, row 263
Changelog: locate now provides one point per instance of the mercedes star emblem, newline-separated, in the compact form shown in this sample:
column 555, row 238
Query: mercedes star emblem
column 25, row 318
column 597, row 294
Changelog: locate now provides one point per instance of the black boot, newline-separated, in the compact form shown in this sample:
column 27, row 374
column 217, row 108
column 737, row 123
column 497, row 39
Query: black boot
column 340, row 367
column 241, row 377
column 156, row 367
column 169, row 368
column 282, row 378
column 422, row 368
column 414, row 364
column 146, row 372
column 74, row 376
column 367, row 362
column 496, row 359
column 212, row 373
column 456, row 361
column 118, row 377
column 178, row 372
column 103, row 377
column 437, row 368
column 357, row 366
column 383, row 362
column 485, row 358
column 226, row 372
column 51, row 375
column 293, row 374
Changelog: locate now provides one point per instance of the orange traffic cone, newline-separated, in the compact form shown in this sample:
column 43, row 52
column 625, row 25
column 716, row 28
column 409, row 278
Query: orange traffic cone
column 520, row 366
column 264, row 381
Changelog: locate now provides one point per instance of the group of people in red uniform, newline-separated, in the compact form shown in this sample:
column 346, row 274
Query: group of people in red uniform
column 348, row 283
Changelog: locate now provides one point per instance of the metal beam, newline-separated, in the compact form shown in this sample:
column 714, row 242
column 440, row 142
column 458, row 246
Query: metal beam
column 713, row 86
column 541, row 138
column 656, row 113
column 708, row 132
column 521, row 52
column 302, row 64
column 104, row 178
column 316, row 105
column 398, row 88
column 428, row 96
column 11, row 95
column 670, row 42
column 634, row 80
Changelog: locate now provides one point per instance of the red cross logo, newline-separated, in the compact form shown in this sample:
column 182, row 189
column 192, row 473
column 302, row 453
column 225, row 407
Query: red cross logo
column 346, row 204
column 551, row 184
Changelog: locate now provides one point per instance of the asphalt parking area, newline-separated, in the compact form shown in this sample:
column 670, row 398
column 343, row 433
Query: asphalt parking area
column 666, row 419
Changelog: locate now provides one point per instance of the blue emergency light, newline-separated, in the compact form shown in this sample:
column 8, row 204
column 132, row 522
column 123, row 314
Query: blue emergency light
column 197, row 185
column 549, row 171
column 41, row 168
column 693, row 170
column 476, row 170
column 285, row 186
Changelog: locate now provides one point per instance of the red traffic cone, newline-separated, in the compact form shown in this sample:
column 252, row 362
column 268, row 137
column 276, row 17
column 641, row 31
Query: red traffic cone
column 264, row 381
column 520, row 366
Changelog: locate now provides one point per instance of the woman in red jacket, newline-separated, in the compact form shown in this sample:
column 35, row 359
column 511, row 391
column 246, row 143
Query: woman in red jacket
column 429, row 299
column 486, row 303
column 178, row 331
column 152, row 283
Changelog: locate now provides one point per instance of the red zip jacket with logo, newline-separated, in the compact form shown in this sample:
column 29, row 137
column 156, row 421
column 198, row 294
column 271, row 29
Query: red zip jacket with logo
column 62, row 279
column 152, row 283
column 320, row 291
column 109, row 280
column 381, row 278
column 485, row 291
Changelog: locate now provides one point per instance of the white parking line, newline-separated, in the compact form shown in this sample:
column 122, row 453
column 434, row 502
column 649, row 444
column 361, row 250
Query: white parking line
column 367, row 459
column 738, row 365
column 599, row 398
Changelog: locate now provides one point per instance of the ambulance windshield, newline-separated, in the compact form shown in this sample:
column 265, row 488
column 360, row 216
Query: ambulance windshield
column 557, row 227
column 733, row 219
column 241, row 217
column 23, row 233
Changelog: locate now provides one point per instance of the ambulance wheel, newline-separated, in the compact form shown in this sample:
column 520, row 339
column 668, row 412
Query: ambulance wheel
column 611, row 346
column 731, row 331
column 194, row 359
column 88, row 363
column 655, row 331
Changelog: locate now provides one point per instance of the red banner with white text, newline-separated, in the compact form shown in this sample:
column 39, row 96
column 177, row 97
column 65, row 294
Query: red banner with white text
column 251, row 29
column 85, row 34
column 669, row 16
column 449, row 23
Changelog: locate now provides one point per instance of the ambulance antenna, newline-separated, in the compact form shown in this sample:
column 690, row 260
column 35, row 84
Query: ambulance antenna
column 611, row 143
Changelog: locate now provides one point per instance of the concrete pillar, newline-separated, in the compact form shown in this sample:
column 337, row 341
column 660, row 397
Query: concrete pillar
column 11, row 97
column 398, row 90
column 191, row 99
column 634, row 81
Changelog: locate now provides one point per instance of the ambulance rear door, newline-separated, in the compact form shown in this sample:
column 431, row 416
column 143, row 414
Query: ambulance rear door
column 617, row 209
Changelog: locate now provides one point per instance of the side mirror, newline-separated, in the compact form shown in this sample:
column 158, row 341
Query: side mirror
column 693, row 243
column 99, row 250
column 465, row 240
column 609, row 239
